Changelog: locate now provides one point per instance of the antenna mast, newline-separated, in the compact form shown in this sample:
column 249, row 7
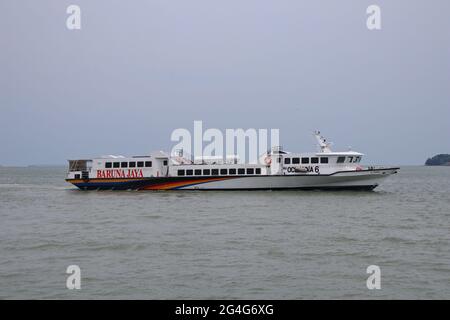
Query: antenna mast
column 322, row 142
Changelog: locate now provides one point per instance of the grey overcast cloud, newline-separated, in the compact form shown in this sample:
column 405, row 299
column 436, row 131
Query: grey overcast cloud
column 137, row 70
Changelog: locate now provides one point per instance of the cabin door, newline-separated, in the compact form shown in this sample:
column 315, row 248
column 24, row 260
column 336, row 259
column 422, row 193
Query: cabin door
column 160, row 167
column 276, row 165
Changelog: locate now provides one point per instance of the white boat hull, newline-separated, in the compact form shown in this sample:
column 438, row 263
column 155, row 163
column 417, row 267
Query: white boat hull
column 365, row 180
column 354, row 180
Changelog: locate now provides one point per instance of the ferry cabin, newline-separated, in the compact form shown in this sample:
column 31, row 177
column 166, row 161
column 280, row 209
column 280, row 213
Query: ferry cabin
column 161, row 165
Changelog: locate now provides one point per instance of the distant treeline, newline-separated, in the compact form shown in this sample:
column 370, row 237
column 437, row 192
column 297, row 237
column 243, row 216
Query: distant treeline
column 439, row 160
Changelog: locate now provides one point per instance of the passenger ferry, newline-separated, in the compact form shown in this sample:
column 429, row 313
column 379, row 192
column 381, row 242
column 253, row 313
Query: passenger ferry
column 276, row 170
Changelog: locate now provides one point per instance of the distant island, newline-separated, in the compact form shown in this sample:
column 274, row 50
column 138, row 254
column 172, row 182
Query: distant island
column 439, row 160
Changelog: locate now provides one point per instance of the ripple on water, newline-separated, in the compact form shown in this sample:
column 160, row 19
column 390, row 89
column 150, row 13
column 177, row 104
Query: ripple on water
column 246, row 245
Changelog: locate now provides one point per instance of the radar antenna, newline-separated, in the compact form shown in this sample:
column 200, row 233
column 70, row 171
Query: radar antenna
column 322, row 142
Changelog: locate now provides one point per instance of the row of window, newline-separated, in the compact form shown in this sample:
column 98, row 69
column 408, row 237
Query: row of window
column 216, row 172
column 350, row 159
column 131, row 164
column 305, row 160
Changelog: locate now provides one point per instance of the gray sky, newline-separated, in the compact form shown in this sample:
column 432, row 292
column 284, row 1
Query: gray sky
column 139, row 69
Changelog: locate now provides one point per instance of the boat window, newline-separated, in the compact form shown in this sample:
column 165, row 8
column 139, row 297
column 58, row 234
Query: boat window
column 350, row 159
column 189, row 172
column 77, row 175
column 108, row 165
column 287, row 160
column 116, row 164
column 124, row 164
column 340, row 159
column 132, row 164
column 314, row 160
column 215, row 172
column 181, row 172
column 241, row 171
column 165, row 163
column 79, row 165
column 198, row 172
column 223, row 171
column 295, row 160
column 140, row 164
column 305, row 160
column 258, row 170
column 323, row 159
column 206, row 172
column 148, row 164
column 250, row 171
column 359, row 159
column 232, row 171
